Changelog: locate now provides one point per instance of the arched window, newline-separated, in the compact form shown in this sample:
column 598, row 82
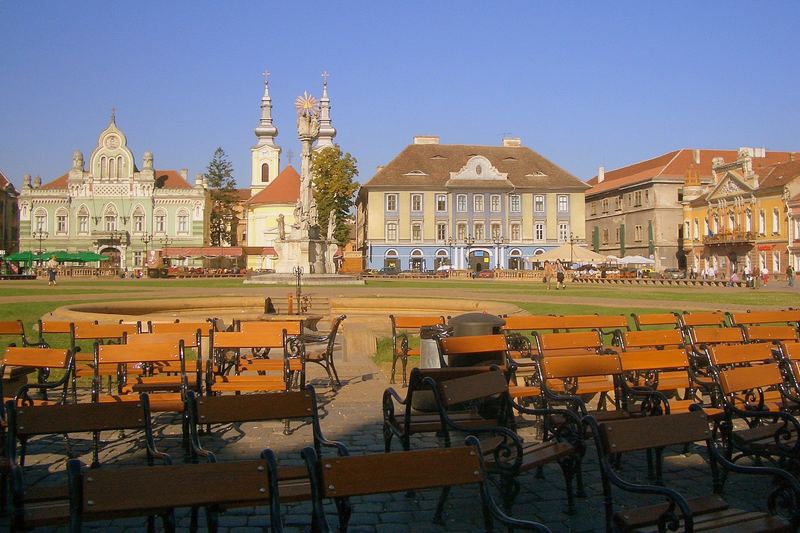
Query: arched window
column 119, row 167
column 442, row 258
column 417, row 260
column 39, row 220
column 515, row 259
column 183, row 222
column 112, row 168
column 62, row 218
column 138, row 220
column 264, row 173
column 391, row 260
column 83, row 220
column 110, row 218
column 160, row 221
column 103, row 167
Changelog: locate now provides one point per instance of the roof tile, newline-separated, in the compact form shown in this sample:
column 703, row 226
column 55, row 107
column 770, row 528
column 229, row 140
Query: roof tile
column 285, row 189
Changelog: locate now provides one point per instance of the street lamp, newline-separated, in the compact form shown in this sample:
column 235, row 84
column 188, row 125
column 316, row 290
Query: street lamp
column 450, row 243
column 498, row 242
column 147, row 238
column 40, row 235
column 165, row 242
column 572, row 241
column 298, row 272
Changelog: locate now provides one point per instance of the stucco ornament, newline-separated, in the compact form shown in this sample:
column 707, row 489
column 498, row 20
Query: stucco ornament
column 77, row 160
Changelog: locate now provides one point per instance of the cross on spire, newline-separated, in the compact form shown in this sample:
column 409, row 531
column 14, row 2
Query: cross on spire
column 113, row 115
column 325, row 77
column 266, row 74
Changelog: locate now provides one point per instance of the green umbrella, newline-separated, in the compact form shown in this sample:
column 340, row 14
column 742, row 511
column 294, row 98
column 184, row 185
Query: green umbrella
column 20, row 256
column 89, row 256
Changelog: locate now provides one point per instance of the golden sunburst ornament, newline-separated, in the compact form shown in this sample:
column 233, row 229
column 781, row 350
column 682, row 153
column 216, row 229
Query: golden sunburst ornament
column 306, row 105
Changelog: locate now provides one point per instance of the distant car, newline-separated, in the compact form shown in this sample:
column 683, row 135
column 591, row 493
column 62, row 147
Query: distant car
column 673, row 273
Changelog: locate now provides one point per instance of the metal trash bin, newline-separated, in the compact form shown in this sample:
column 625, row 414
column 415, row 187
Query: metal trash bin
column 471, row 324
column 428, row 358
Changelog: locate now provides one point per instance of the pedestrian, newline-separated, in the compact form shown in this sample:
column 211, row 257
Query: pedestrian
column 694, row 271
column 764, row 275
column 548, row 274
column 560, row 276
column 790, row 275
column 52, row 267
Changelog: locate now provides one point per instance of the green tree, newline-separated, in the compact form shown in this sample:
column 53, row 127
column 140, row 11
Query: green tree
column 222, row 187
column 333, row 173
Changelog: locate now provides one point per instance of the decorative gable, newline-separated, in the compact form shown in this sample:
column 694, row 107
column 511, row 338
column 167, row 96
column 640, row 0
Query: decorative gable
column 730, row 185
column 478, row 168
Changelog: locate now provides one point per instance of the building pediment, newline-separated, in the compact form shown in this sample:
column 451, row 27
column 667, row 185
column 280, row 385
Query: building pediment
column 730, row 185
column 477, row 169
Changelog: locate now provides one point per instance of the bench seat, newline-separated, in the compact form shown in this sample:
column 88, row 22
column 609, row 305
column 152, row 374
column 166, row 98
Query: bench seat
column 632, row 519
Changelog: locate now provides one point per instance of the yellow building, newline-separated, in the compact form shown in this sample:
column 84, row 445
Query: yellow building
column 739, row 220
column 263, row 212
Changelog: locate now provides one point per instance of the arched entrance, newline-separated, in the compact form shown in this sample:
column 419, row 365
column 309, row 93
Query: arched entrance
column 442, row 259
column 391, row 260
column 417, row 261
column 113, row 258
column 515, row 260
column 479, row 260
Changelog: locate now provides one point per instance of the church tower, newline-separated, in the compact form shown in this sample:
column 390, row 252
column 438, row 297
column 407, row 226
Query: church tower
column 326, row 130
column 265, row 155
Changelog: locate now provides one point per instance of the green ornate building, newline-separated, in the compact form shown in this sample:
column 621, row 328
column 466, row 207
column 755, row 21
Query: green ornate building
column 111, row 206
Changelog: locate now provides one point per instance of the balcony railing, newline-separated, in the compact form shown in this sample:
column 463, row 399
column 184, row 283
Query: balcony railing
column 730, row 237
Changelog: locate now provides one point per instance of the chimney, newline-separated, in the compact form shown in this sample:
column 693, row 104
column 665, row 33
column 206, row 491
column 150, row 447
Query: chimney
column 512, row 142
column 198, row 180
column 426, row 139
column 380, row 167
column 696, row 157
column 184, row 172
column 601, row 174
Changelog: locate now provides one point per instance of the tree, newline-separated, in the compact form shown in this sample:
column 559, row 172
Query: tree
column 222, row 187
column 333, row 174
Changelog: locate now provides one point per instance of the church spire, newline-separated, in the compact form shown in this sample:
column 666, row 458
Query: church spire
column 326, row 130
column 266, row 130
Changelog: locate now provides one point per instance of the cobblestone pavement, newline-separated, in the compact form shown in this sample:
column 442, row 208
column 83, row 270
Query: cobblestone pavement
column 353, row 416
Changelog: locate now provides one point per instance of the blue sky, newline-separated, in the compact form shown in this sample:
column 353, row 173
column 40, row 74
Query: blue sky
column 583, row 83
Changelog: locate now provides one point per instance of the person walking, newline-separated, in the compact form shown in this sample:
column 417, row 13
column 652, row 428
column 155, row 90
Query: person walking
column 790, row 275
column 560, row 274
column 548, row 274
column 764, row 275
column 52, row 268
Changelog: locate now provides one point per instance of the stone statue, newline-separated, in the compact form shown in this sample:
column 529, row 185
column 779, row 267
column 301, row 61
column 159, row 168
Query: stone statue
column 281, row 228
column 77, row 160
column 37, row 182
column 147, row 161
column 26, row 180
column 331, row 225
column 307, row 131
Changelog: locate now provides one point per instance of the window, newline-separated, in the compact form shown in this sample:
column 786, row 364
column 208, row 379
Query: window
column 538, row 203
column 646, row 197
column 461, row 232
column 496, row 233
column 61, row 223
column 479, row 232
column 731, row 222
column 495, row 203
column 748, row 221
column 594, row 208
column 183, row 223
column 83, row 221
column 776, row 262
column 441, row 232
column 616, row 235
column 538, row 231
column 762, row 222
column 637, row 233
column 563, row 203
column 696, row 232
column 605, row 235
column 416, row 232
column 40, row 220
column 563, row 231
column 637, row 198
column 776, row 221
column 477, row 203
column 160, row 221
column 391, row 231
column 515, row 232
column 605, row 205
column 706, row 229
column 629, row 197
column 441, row 203
column 138, row 220
column 515, row 203
column 110, row 219
column 391, row 202
column 416, row 202
column 715, row 226
column 461, row 203
column 618, row 203
column 137, row 259
column 264, row 173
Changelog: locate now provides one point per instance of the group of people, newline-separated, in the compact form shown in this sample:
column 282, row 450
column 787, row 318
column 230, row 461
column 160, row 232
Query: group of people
column 754, row 278
column 555, row 270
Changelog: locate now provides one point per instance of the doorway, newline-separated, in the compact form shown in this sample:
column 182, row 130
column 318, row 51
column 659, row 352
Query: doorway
column 113, row 258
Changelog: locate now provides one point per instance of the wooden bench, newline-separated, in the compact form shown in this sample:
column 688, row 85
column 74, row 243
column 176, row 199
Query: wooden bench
column 576, row 343
column 319, row 350
column 35, row 506
column 654, row 319
column 649, row 339
column 18, row 361
column 702, row 319
column 505, row 452
column 15, row 331
column 107, row 494
column 755, row 318
column 565, row 323
column 226, row 374
column 342, row 478
column 704, row 513
column 102, row 333
column 402, row 327
column 272, row 330
column 770, row 334
column 473, row 350
column 168, row 373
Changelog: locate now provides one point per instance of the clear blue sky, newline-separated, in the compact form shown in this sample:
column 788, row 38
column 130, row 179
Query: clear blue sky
column 583, row 83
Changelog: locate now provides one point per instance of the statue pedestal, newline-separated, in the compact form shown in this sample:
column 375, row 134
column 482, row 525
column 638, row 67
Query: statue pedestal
column 310, row 254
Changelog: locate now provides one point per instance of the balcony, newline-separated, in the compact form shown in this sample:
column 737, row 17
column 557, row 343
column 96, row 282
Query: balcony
column 730, row 237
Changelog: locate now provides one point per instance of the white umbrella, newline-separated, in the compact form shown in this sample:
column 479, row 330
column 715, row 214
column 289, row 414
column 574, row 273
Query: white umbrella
column 567, row 252
column 636, row 260
column 445, row 267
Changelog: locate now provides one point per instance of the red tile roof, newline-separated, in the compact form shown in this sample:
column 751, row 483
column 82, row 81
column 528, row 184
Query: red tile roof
column 285, row 189
column 4, row 181
column 165, row 179
column 243, row 194
column 778, row 175
column 675, row 165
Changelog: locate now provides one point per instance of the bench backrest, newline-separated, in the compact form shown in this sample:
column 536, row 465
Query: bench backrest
column 191, row 339
column 181, row 327
column 654, row 338
column 654, row 359
column 415, row 322
column 135, row 491
column 715, row 335
column 531, row 322
column 358, row 475
column 77, row 418
column 702, row 318
column 245, row 339
column 736, row 354
column 37, row 357
column 647, row 432
column 769, row 333
column 253, row 407
column 418, row 375
column 12, row 327
column 580, row 366
column 791, row 351
column 473, row 344
column 766, row 317
column 90, row 331
column 552, row 343
column 475, row 387
column 743, row 378
column 138, row 353
column 654, row 319
column 292, row 327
